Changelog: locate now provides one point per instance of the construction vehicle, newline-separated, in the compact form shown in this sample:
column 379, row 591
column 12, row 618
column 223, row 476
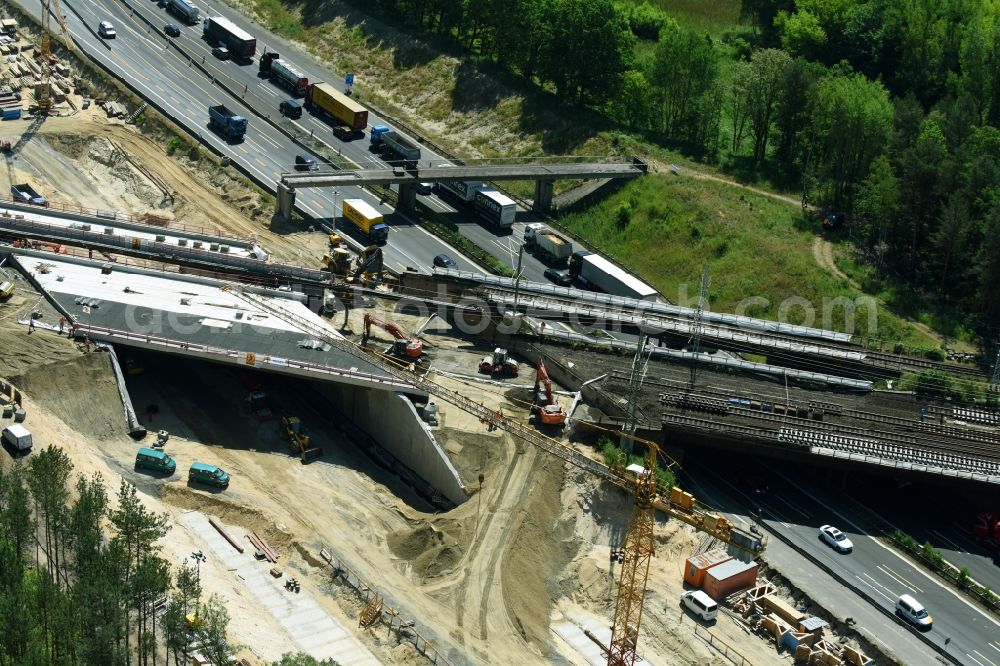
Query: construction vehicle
column 298, row 439
column 403, row 344
column 649, row 498
column 539, row 239
column 986, row 530
column 260, row 405
column 337, row 260
column 500, row 363
column 546, row 409
column 393, row 147
column 369, row 261
column 7, row 289
column 228, row 123
column 25, row 193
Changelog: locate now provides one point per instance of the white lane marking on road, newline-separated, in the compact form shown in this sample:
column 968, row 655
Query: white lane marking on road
column 995, row 646
column 873, row 587
column 974, row 659
column 888, row 572
column 887, row 568
column 790, row 505
column 947, row 540
column 985, row 657
column 899, row 556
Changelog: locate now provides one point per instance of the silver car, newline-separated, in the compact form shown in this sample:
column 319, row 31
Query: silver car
column 835, row 538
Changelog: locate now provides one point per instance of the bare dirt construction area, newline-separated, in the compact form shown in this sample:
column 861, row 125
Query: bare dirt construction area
column 486, row 582
column 90, row 161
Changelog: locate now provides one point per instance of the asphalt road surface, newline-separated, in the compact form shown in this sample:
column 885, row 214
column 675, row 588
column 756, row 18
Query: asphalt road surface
column 159, row 67
column 797, row 507
column 165, row 77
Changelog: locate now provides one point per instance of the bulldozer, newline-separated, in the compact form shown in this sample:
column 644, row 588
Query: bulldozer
column 337, row 261
column 298, row 439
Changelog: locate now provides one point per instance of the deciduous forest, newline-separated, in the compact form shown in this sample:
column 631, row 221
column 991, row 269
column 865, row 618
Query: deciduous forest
column 888, row 110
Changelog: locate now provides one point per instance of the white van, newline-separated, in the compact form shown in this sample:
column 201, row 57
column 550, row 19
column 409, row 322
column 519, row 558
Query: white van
column 913, row 611
column 18, row 437
column 700, row 604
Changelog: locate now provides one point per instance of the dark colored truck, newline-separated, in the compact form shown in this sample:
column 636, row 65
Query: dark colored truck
column 349, row 118
column 283, row 74
column 393, row 147
column 227, row 123
column 220, row 29
column 25, row 193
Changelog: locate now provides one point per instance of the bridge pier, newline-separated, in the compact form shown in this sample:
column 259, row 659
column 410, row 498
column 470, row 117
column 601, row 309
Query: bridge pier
column 543, row 195
column 285, row 202
column 407, row 197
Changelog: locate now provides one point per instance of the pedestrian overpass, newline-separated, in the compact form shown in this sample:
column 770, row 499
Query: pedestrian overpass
column 543, row 173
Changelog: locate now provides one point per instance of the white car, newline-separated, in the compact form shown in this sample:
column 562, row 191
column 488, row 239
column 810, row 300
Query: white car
column 834, row 537
column 106, row 30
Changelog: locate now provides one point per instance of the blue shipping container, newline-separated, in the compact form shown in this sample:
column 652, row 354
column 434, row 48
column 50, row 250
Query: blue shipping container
column 12, row 114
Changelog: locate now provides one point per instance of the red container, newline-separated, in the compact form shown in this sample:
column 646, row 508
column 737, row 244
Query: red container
column 696, row 566
column 729, row 577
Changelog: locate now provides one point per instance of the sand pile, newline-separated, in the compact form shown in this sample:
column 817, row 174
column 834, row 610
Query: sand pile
column 430, row 551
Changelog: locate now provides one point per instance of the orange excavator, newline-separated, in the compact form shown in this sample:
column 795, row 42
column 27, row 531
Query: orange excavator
column 404, row 345
column 548, row 410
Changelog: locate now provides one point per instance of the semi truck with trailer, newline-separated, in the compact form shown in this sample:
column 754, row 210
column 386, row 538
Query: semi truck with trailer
column 227, row 123
column 392, row 146
column 25, row 193
column 185, row 10
column 366, row 218
column 283, row 74
column 463, row 191
column 540, row 239
column 596, row 271
column 494, row 207
column 349, row 118
column 240, row 43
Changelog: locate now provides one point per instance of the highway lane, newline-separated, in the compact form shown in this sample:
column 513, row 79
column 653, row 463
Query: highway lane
column 265, row 96
column 166, row 79
column 797, row 508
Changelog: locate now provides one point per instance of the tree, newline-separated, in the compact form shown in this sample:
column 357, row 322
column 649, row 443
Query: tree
column 949, row 240
column 212, row 627
column 767, row 72
column 760, row 14
column 878, row 202
column 685, row 79
column 801, row 34
column 632, row 101
column 851, row 118
column 589, row 50
column 792, row 113
column 739, row 101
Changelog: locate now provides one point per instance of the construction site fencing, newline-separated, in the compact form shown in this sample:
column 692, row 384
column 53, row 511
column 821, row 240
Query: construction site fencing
column 405, row 629
column 99, row 216
column 727, row 650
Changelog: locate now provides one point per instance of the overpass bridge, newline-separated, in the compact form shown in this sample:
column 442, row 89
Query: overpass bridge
column 543, row 173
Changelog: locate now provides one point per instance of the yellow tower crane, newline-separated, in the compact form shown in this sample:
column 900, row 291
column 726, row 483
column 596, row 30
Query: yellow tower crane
column 638, row 548
column 44, row 92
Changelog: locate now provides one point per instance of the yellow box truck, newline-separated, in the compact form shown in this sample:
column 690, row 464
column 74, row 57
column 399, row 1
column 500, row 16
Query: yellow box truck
column 366, row 218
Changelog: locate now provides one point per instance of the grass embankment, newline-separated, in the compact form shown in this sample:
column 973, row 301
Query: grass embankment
column 666, row 228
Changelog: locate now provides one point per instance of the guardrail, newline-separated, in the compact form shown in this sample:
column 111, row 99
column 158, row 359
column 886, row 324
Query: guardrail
column 727, row 650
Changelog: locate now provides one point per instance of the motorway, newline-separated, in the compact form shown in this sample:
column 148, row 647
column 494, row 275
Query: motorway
column 159, row 68
column 795, row 507
column 165, row 78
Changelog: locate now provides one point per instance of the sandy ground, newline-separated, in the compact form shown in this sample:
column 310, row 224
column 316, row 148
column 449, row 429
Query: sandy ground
column 484, row 581
column 75, row 160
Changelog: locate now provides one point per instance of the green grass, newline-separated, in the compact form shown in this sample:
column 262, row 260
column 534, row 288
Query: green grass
column 754, row 247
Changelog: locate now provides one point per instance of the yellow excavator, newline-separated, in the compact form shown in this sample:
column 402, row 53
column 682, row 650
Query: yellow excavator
column 298, row 439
